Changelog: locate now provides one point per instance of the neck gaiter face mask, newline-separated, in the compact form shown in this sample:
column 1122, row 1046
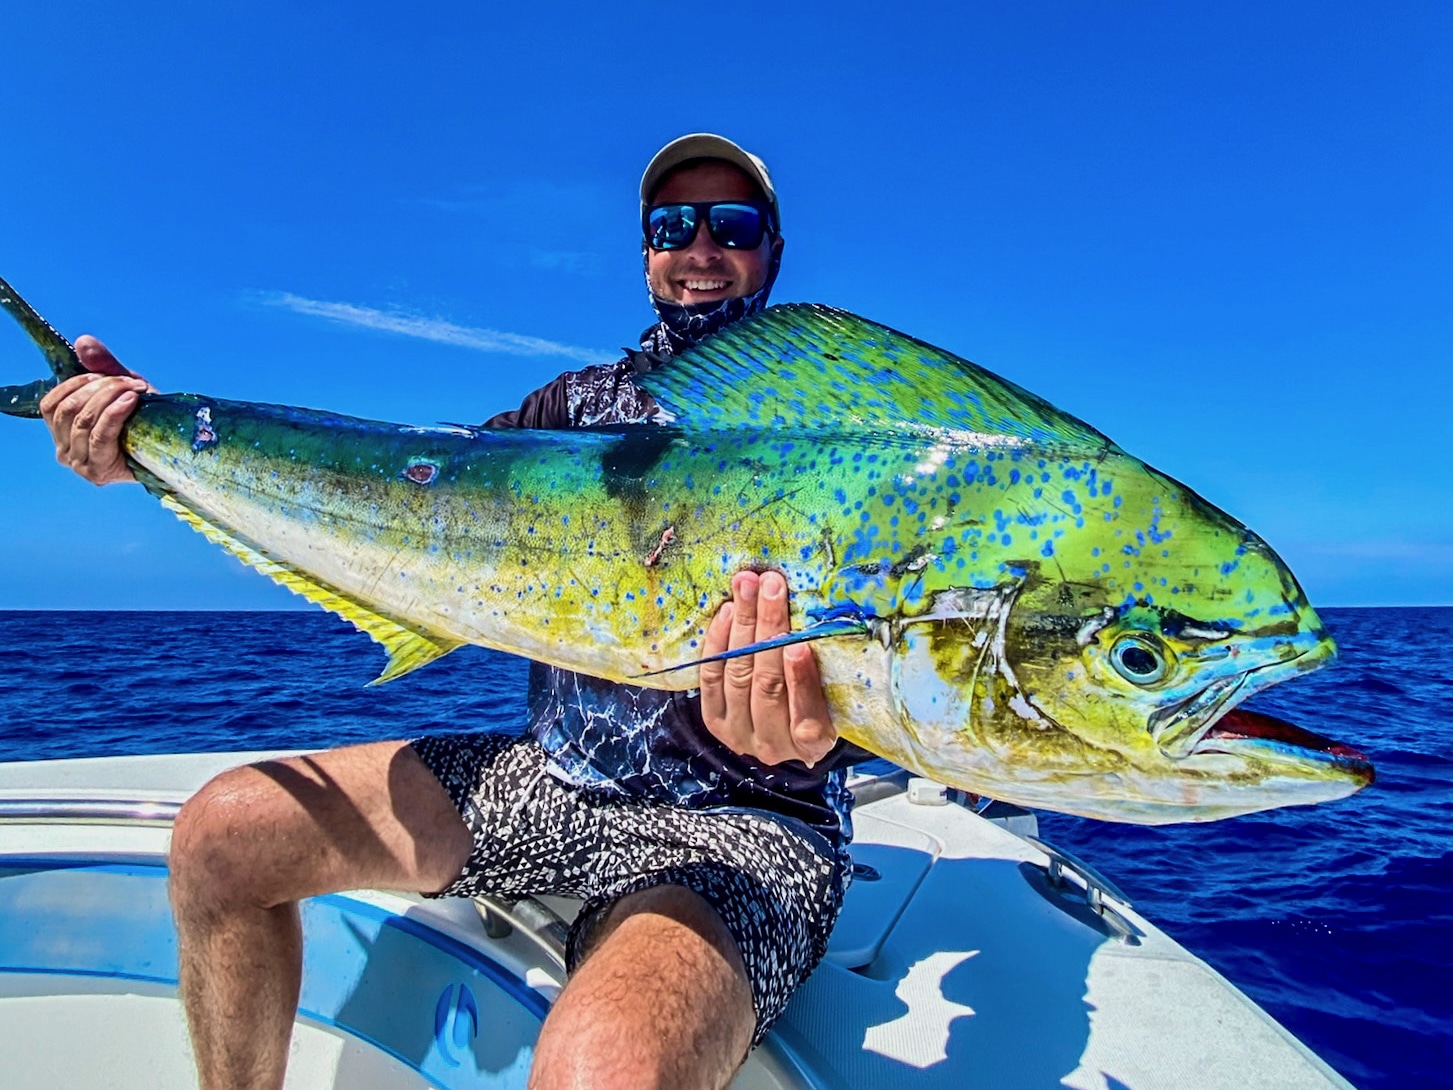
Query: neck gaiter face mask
column 682, row 325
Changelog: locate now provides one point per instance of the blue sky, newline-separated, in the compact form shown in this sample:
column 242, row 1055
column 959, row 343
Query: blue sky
column 1220, row 233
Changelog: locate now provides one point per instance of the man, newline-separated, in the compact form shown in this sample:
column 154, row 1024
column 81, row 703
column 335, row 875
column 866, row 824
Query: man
column 705, row 834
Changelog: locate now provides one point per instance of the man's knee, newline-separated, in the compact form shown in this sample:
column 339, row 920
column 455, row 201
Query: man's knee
column 214, row 853
column 281, row 830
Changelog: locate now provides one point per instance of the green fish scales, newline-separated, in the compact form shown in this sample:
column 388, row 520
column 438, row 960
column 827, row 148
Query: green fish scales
column 1000, row 597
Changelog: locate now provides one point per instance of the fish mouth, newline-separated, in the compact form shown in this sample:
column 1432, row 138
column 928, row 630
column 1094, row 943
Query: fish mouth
column 1189, row 725
column 1178, row 728
column 1240, row 730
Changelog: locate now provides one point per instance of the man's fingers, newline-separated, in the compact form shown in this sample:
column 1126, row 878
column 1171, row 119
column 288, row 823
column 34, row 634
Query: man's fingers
column 813, row 734
column 713, row 695
column 100, row 397
column 63, row 412
column 772, row 618
column 770, row 714
column 86, row 414
column 106, row 435
column 738, row 671
column 54, row 399
column 769, row 704
column 86, row 424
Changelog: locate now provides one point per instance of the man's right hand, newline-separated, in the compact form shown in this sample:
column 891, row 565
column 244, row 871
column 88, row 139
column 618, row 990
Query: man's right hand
column 769, row 705
column 85, row 414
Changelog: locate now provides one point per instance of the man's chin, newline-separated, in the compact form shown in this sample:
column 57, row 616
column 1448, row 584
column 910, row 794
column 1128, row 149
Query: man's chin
column 688, row 297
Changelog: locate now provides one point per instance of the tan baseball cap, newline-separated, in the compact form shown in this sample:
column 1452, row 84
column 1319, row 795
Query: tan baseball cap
column 708, row 145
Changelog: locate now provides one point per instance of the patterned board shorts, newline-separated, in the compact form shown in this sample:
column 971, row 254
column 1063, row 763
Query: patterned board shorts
column 778, row 889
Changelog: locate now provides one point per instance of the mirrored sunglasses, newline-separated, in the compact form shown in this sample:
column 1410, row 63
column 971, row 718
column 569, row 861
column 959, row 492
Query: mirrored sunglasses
column 734, row 225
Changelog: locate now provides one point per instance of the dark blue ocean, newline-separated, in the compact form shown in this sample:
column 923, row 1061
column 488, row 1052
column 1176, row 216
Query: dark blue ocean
column 1338, row 918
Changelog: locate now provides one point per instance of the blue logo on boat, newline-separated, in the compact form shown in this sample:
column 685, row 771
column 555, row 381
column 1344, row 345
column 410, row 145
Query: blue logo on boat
column 456, row 1022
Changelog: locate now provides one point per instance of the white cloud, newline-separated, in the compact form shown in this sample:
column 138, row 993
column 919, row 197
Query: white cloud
column 435, row 329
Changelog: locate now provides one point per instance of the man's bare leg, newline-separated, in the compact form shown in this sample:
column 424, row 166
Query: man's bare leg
column 255, row 841
column 661, row 1000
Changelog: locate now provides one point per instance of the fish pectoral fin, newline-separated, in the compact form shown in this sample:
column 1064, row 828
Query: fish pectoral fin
column 408, row 647
column 820, row 631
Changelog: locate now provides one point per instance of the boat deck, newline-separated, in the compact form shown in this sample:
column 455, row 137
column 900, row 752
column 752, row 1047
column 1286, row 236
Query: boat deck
column 967, row 956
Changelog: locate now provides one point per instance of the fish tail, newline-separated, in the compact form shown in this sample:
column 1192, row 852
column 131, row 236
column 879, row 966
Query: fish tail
column 24, row 400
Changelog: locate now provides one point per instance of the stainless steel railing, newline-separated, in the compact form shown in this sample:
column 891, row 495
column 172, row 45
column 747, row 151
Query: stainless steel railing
column 88, row 811
column 499, row 916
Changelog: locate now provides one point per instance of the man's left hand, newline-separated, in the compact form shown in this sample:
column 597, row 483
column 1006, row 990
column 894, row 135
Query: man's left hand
column 770, row 705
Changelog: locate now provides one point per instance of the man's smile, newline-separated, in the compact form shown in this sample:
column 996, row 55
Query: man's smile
column 704, row 284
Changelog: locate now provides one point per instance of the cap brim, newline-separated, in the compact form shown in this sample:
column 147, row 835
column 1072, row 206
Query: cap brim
column 706, row 145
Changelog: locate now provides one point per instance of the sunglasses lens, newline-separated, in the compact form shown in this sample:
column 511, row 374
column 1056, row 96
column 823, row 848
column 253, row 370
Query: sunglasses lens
column 671, row 226
column 736, row 226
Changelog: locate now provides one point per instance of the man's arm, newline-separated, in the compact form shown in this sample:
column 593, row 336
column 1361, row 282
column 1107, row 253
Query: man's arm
column 85, row 414
column 547, row 407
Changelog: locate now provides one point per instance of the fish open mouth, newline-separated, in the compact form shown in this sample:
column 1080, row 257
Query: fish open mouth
column 1184, row 727
column 1203, row 723
column 1178, row 728
column 1239, row 728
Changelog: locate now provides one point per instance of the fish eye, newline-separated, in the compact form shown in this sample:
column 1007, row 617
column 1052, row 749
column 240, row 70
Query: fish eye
column 1138, row 660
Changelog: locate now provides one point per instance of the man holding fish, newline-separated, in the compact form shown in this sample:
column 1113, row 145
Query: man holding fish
column 705, row 832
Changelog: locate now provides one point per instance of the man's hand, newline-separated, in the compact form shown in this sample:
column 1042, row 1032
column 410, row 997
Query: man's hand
column 769, row 705
column 85, row 414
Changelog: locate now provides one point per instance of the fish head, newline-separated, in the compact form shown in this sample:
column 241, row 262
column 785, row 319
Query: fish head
column 1107, row 689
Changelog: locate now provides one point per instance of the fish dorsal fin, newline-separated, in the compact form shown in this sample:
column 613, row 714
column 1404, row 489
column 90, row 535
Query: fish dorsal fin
column 408, row 647
column 807, row 366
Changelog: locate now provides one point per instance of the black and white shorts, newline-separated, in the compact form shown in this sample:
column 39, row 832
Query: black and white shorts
column 778, row 889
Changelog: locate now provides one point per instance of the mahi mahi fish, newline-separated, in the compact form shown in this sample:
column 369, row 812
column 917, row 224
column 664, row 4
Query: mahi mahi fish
column 1002, row 599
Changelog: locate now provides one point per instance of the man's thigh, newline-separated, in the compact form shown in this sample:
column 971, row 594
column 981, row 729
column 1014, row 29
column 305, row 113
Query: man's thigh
column 660, row 998
column 370, row 815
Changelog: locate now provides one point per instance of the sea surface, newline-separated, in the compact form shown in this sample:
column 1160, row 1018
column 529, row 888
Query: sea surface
column 1338, row 918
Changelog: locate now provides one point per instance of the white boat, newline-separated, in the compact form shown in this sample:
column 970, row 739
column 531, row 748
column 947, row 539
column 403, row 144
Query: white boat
column 968, row 955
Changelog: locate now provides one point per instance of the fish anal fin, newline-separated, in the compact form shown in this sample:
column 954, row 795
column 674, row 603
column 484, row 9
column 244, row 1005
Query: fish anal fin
column 407, row 647
column 407, row 650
